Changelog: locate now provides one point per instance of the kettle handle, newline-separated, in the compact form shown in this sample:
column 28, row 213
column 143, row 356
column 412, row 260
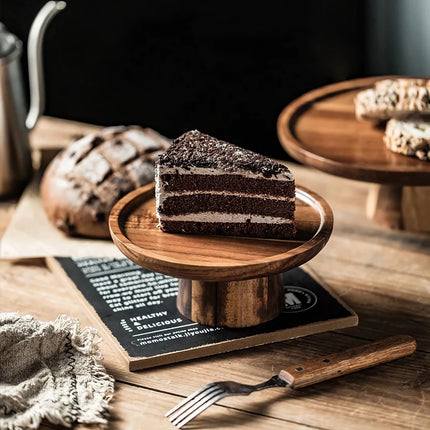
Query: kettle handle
column 35, row 68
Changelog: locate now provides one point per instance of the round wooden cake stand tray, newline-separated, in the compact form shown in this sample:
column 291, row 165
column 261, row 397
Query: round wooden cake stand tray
column 320, row 129
column 223, row 281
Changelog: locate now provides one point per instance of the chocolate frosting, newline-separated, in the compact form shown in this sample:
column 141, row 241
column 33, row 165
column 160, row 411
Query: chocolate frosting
column 196, row 149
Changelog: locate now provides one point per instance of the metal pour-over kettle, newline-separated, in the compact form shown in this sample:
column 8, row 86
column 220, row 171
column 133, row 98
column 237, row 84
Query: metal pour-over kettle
column 15, row 154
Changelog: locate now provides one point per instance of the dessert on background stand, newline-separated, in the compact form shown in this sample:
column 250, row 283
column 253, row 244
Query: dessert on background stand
column 320, row 129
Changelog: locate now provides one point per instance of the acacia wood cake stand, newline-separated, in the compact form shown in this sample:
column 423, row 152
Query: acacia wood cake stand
column 320, row 129
column 223, row 281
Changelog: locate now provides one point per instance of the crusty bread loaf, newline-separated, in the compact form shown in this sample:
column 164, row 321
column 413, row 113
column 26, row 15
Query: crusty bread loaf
column 84, row 181
column 410, row 138
column 393, row 98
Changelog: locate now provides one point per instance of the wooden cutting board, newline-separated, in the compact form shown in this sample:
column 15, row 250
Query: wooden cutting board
column 30, row 234
column 139, row 319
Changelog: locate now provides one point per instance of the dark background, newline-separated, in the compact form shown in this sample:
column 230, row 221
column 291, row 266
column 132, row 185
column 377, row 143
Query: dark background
column 227, row 68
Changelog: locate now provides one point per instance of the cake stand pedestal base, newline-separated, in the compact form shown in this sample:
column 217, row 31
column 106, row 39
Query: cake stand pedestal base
column 232, row 304
column 399, row 207
column 384, row 205
column 213, row 270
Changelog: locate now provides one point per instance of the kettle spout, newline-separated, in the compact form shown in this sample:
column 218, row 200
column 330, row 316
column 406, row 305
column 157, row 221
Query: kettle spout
column 35, row 68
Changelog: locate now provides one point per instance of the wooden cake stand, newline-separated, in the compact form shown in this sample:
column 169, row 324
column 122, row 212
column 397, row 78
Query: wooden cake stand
column 223, row 281
column 320, row 129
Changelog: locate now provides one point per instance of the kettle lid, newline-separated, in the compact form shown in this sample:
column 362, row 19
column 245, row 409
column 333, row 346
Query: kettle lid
column 8, row 42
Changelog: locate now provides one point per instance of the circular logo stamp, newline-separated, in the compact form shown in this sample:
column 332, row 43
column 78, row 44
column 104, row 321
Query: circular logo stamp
column 298, row 299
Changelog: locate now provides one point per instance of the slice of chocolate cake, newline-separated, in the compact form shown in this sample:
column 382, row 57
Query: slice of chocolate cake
column 207, row 186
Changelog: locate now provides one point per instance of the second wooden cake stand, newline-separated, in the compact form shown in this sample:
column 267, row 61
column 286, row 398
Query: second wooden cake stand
column 223, row 281
column 320, row 129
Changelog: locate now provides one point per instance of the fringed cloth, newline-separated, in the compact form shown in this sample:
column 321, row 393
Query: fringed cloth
column 52, row 371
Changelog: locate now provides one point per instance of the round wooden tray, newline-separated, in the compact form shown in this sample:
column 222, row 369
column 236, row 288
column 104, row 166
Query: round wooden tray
column 320, row 129
column 228, row 281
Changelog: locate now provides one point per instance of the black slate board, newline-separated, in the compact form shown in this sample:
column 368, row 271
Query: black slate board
column 138, row 310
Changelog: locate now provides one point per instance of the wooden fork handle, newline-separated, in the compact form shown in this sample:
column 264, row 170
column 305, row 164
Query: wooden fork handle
column 348, row 361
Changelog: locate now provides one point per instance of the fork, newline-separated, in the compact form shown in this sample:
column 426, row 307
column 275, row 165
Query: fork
column 297, row 376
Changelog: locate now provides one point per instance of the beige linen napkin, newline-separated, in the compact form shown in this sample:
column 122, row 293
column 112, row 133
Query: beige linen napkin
column 50, row 370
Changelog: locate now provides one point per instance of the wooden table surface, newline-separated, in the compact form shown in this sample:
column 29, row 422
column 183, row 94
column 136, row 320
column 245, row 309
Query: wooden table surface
column 383, row 275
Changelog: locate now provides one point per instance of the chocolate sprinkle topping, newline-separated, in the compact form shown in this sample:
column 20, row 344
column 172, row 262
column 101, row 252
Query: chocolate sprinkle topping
column 196, row 149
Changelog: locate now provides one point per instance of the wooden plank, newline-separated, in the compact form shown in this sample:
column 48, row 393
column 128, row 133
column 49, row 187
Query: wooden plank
column 386, row 303
column 135, row 408
column 383, row 394
column 392, row 395
column 369, row 250
column 22, row 240
column 383, row 275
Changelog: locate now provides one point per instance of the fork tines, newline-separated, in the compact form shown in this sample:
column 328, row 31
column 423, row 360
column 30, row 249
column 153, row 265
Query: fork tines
column 195, row 404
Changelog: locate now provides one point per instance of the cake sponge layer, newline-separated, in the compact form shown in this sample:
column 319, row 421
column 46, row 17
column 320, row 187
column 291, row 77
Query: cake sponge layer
column 218, row 181
column 260, row 230
column 227, row 203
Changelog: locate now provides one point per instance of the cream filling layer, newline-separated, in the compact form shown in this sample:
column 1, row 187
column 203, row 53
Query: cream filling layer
column 209, row 217
column 162, row 196
column 205, row 171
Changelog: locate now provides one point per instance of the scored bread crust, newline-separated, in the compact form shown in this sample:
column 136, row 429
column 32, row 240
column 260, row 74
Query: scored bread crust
column 393, row 98
column 408, row 138
column 85, row 180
